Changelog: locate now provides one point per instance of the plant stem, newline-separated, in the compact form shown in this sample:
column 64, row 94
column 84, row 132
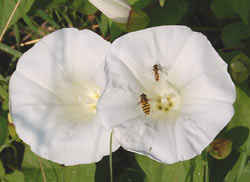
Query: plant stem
column 8, row 22
column 42, row 170
column 110, row 159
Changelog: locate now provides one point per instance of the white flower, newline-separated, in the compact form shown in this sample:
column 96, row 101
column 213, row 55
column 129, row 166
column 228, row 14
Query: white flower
column 183, row 111
column 53, row 97
column 117, row 10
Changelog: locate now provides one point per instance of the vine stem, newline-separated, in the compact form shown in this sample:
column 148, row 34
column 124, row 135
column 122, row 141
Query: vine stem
column 110, row 158
column 8, row 22
column 42, row 170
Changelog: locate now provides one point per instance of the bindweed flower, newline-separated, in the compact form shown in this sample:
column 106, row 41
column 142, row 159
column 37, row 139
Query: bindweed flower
column 168, row 93
column 117, row 10
column 53, row 97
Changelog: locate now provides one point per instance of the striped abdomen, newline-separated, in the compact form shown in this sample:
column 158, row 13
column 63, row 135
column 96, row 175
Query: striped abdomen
column 157, row 76
column 146, row 108
column 156, row 73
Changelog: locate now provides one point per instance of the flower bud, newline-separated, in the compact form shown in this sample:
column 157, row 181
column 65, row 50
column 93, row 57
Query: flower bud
column 220, row 148
column 240, row 67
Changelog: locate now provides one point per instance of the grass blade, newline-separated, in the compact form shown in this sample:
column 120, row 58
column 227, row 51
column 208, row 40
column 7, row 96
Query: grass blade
column 9, row 50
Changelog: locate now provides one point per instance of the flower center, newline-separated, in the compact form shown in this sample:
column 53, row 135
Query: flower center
column 89, row 100
column 164, row 99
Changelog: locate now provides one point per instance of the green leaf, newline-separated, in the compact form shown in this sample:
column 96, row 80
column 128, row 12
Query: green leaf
column 235, row 173
column 140, row 3
column 233, row 33
column 17, row 35
column 103, row 23
column 28, row 21
column 3, row 130
column 54, row 172
column 240, row 119
column 171, row 13
column 48, row 18
column 245, row 176
column 7, row 7
column 16, row 176
column 5, row 104
column 137, row 20
column 228, row 56
column 88, row 9
column 114, row 30
column 3, row 92
column 241, row 107
column 242, row 8
column 59, row 2
column 43, row 4
column 7, row 49
column 191, row 170
column 2, row 170
column 221, row 9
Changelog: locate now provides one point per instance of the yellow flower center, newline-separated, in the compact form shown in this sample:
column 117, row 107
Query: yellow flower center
column 89, row 100
column 164, row 99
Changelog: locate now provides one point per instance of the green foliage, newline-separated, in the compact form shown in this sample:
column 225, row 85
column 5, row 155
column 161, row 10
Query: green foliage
column 47, row 18
column 10, row 50
column 227, row 8
column 241, row 119
column 7, row 7
column 221, row 9
column 245, row 176
column 33, row 168
column 242, row 8
column 192, row 170
column 2, row 170
column 233, row 33
column 171, row 13
column 104, row 24
column 139, row 3
column 137, row 20
column 115, row 31
column 3, row 130
column 83, row 6
column 15, row 176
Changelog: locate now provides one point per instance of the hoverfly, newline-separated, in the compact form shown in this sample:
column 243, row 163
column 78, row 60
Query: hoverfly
column 144, row 103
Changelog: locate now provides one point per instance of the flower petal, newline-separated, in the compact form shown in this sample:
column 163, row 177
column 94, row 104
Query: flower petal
column 48, row 97
column 140, row 50
column 199, row 124
column 195, row 59
column 192, row 74
column 117, row 10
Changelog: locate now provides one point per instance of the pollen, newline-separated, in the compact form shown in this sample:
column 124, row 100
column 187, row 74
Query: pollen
column 164, row 99
column 159, row 107
column 89, row 100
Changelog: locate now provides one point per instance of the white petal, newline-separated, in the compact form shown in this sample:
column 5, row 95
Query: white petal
column 195, row 59
column 119, row 99
column 215, row 84
column 191, row 68
column 45, row 97
column 140, row 50
column 117, row 10
column 199, row 124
